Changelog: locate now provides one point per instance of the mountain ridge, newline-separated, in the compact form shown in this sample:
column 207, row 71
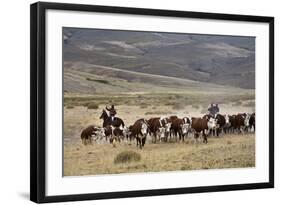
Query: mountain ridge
column 222, row 60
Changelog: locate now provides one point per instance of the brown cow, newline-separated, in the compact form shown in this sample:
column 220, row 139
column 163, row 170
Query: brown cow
column 232, row 122
column 221, row 123
column 212, row 124
column 172, row 131
column 207, row 116
column 113, row 133
column 173, row 117
column 119, row 133
column 139, row 131
column 129, row 133
column 200, row 125
column 229, row 121
column 252, row 121
column 180, row 127
column 159, row 127
column 88, row 133
column 241, row 121
column 108, row 131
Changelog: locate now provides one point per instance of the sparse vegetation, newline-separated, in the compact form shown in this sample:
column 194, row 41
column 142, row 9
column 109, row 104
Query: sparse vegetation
column 203, row 111
column 156, row 113
column 169, row 104
column 127, row 156
column 93, row 106
column 143, row 105
column 237, row 103
column 250, row 104
column 178, row 106
column 98, row 81
column 155, row 99
column 239, row 151
column 195, row 106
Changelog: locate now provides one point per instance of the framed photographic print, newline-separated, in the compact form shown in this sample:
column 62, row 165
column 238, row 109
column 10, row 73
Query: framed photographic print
column 129, row 102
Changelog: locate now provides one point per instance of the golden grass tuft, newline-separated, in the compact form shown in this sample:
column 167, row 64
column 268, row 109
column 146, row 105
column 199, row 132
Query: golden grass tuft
column 127, row 157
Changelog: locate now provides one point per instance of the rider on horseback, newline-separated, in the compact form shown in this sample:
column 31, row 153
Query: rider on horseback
column 112, row 112
column 214, row 109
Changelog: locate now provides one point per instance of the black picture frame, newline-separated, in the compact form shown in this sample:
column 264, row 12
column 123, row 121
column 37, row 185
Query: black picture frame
column 38, row 101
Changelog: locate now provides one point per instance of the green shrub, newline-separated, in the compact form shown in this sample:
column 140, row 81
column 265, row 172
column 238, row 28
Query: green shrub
column 126, row 157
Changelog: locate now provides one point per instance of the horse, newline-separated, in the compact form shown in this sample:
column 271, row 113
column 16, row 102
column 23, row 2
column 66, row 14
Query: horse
column 111, row 120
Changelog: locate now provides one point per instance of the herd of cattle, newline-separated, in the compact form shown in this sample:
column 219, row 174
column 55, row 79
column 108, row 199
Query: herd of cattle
column 165, row 128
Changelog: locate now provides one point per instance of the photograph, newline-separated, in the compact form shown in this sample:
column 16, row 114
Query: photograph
column 145, row 102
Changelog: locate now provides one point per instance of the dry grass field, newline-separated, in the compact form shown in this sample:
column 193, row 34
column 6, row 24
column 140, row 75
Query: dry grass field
column 229, row 151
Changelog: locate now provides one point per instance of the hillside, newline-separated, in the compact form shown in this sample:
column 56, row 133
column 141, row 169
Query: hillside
column 96, row 79
column 224, row 60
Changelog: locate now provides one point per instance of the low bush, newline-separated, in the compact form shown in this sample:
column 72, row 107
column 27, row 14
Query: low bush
column 126, row 157
column 93, row 106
